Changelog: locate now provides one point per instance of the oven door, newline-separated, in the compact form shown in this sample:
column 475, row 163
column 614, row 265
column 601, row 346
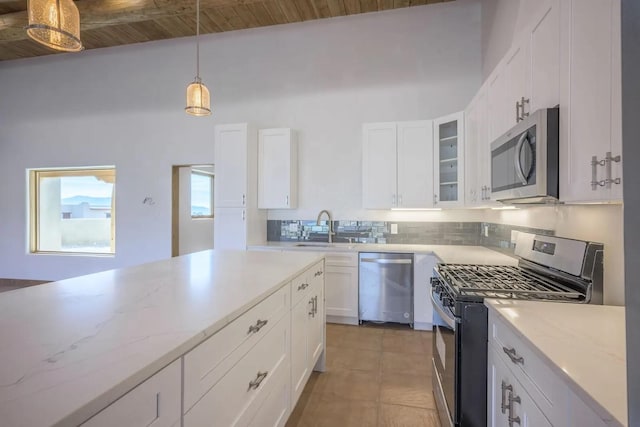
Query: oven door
column 444, row 362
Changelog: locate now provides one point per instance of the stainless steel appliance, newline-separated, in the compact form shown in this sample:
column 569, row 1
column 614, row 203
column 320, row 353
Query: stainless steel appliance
column 386, row 287
column 549, row 269
column 524, row 161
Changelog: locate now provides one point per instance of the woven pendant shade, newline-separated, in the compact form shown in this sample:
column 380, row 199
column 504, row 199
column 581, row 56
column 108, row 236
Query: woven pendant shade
column 55, row 24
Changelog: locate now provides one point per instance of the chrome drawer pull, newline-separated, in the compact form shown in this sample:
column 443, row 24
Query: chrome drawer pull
column 511, row 352
column 318, row 273
column 503, row 405
column 255, row 328
column 303, row 286
column 256, row 383
column 312, row 313
column 513, row 399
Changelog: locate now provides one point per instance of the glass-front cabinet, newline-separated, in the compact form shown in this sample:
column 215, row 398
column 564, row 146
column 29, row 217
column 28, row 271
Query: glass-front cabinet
column 448, row 158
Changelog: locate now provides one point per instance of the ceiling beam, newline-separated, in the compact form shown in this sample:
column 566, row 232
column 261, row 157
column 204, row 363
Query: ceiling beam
column 95, row 14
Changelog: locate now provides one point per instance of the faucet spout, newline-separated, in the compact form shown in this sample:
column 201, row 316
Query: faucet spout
column 330, row 221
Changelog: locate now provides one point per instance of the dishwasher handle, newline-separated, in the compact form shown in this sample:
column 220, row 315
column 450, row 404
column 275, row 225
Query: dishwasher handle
column 386, row 261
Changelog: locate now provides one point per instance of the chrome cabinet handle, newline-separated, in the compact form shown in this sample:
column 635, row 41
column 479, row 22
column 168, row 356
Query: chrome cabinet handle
column 318, row 273
column 511, row 352
column 315, row 304
column 254, row 384
column 594, row 173
column 523, row 101
column 435, row 199
column 518, row 112
column 505, row 387
column 255, row 328
column 312, row 312
column 303, row 286
column 513, row 399
column 608, row 160
column 244, row 214
column 400, row 200
column 286, row 200
column 244, row 199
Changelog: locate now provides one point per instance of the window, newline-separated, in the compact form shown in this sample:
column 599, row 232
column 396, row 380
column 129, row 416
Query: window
column 201, row 194
column 72, row 210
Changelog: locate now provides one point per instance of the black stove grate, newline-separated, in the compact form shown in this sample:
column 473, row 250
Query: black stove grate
column 504, row 282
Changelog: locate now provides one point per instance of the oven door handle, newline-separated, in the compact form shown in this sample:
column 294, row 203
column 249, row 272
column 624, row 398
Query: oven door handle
column 448, row 319
column 518, row 162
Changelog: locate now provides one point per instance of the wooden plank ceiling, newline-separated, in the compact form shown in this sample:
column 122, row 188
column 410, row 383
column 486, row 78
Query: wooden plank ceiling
column 117, row 22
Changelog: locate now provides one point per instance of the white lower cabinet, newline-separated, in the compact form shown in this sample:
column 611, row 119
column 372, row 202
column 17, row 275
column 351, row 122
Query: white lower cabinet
column 525, row 389
column 508, row 399
column 238, row 396
column 307, row 333
column 341, row 288
column 155, row 402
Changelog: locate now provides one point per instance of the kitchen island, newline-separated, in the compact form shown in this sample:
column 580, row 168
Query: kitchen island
column 73, row 347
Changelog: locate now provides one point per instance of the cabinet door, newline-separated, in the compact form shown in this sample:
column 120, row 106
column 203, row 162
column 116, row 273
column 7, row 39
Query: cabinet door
column 230, row 228
column 499, row 104
column 155, row 402
column 448, row 153
column 231, row 166
column 422, row 308
column 341, row 291
column 508, row 398
column 300, row 357
column 415, row 164
column 545, row 58
column 474, row 190
column 316, row 325
column 277, row 168
column 518, row 74
column 379, row 166
column 588, row 93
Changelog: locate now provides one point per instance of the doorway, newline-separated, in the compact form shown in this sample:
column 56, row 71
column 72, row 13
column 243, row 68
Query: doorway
column 192, row 208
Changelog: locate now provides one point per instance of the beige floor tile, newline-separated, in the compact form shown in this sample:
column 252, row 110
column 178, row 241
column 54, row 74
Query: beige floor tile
column 406, row 363
column 405, row 343
column 407, row 389
column 404, row 332
column 360, row 341
column 405, row 416
column 324, row 411
column 349, row 384
column 350, row 358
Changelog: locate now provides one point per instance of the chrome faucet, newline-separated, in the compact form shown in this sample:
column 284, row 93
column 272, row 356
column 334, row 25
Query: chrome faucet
column 331, row 233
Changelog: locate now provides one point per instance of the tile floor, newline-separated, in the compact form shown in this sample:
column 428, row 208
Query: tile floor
column 376, row 377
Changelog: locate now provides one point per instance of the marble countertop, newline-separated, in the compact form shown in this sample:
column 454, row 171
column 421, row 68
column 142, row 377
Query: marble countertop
column 71, row 348
column 583, row 343
column 452, row 254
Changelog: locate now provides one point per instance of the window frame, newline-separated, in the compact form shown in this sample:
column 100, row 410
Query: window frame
column 209, row 175
column 34, row 176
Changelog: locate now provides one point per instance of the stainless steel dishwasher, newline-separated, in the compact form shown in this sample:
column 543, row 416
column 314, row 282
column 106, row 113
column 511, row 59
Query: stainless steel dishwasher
column 386, row 287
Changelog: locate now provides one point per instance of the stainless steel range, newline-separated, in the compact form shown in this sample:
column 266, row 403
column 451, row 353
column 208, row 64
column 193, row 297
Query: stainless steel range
column 549, row 269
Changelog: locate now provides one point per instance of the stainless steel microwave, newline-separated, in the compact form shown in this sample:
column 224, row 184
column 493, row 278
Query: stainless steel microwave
column 524, row 161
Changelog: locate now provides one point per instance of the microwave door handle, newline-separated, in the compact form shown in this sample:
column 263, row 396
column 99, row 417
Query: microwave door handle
column 518, row 163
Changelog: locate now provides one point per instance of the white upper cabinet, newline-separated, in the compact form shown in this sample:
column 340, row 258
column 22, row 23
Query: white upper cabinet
column 397, row 165
column 231, row 165
column 415, row 168
column 379, row 189
column 518, row 75
column 477, row 150
column 277, row 169
column 448, row 149
column 499, row 102
column 545, row 57
column 590, row 117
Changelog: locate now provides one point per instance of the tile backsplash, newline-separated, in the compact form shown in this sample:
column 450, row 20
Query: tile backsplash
column 426, row 233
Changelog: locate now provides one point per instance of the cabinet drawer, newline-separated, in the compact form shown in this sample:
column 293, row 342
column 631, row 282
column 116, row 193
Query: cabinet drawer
column 274, row 412
column 155, row 402
column 206, row 364
column 549, row 393
column 301, row 285
column 239, row 395
column 342, row 259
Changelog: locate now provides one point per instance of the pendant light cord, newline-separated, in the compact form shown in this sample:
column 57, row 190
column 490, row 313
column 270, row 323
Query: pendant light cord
column 198, row 39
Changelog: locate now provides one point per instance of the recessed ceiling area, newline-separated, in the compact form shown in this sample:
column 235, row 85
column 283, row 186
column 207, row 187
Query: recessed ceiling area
column 106, row 23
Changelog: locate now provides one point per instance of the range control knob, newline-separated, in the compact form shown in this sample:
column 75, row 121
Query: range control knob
column 447, row 302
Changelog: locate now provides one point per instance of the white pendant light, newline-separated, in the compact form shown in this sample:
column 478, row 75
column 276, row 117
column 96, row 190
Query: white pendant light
column 198, row 99
column 55, row 24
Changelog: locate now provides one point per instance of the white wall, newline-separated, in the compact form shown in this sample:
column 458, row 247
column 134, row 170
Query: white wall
column 123, row 106
column 500, row 22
